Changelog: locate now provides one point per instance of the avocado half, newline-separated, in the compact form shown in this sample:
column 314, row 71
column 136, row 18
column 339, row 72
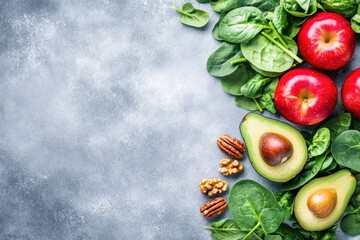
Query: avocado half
column 253, row 126
column 344, row 184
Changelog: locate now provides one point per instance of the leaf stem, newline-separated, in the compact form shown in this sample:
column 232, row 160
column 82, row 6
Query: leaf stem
column 277, row 34
column 258, row 105
column 290, row 53
column 239, row 60
column 251, row 231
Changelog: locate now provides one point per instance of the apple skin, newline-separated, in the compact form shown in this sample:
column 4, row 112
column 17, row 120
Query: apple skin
column 305, row 96
column 350, row 93
column 326, row 41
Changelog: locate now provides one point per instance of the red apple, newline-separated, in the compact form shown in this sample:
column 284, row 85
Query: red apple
column 326, row 41
column 305, row 96
column 350, row 93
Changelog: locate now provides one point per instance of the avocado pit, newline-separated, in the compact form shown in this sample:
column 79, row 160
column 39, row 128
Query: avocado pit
column 275, row 148
column 322, row 202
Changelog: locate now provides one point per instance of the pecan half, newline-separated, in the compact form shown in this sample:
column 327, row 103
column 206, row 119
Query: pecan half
column 213, row 207
column 231, row 146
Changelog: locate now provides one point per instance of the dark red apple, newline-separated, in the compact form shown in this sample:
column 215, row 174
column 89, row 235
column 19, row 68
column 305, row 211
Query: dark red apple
column 305, row 96
column 350, row 93
column 326, row 41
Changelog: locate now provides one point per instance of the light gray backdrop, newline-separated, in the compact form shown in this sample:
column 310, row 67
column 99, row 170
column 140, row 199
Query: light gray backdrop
column 108, row 120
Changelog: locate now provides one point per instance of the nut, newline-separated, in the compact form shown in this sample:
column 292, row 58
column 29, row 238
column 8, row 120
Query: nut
column 229, row 167
column 213, row 186
column 322, row 202
column 275, row 148
column 213, row 207
column 231, row 146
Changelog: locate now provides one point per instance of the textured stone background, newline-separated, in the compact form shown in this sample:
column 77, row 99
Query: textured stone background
column 108, row 120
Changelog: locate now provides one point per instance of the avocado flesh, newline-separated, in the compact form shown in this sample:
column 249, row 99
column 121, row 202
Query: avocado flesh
column 253, row 126
column 342, row 182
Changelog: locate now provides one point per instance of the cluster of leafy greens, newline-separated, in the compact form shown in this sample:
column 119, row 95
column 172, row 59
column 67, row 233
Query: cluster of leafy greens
column 258, row 42
column 257, row 46
column 258, row 214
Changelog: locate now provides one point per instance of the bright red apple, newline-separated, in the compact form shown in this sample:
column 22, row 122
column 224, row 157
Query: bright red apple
column 350, row 93
column 305, row 96
column 326, row 41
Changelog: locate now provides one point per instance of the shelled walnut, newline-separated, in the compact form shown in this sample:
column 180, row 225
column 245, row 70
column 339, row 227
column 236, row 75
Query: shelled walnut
column 213, row 186
column 231, row 146
column 229, row 167
column 213, row 207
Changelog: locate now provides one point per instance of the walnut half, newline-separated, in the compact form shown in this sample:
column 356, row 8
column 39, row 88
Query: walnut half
column 229, row 167
column 213, row 186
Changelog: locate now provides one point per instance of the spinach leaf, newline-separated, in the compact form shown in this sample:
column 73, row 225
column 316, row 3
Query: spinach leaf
column 280, row 19
column 286, row 201
column 218, row 5
column 354, row 203
column 265, row 73
column 311, row 168
column 253, row 88
column 263, row 5
column 225, row 229
column 219, row 62
column 346, row 149
column 355, row 124
column 350, row 224
column 267, row 56
column 288, row 233
column 300, row 8
column 270, row 88
column 338, row 124
column 273, row 237
column 215, row 31
column 327, row 163
column 241, row 24
column 355, row 23
column 267, row 102
column 320, row 142
column 250, row 104
column 252, row 206
column 347, row 8
column 191, row 16
column 233, row 82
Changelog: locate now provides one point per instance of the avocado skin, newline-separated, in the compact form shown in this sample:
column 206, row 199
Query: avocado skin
column 343, row 182
column 253, row 126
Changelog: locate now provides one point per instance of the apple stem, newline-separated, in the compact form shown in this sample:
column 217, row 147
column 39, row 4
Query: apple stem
column 258, row 106
column 239, row 60
column 291, row 54
column 278, row 35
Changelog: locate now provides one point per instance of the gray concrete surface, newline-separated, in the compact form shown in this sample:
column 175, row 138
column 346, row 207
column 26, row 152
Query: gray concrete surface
column 108, row 120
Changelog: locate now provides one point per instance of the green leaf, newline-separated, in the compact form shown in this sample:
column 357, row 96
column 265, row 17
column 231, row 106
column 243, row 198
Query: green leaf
column 247, row 103
column 355, row 23
column 219, row 62
column 251, row 204
column 286, row 201
column 320, row 142
column 327, row 163
column 346, row 8
column 350, row 224
column 300, row 8
column 225, row 229
column 267, row 102
column 233, row 82
column 311, row 168
column 289, row 233
column 267, row 56
column 202, row 1
column 280, row 19
column 346, row 149
column 270, row 88
column 218, row 5
column 263, row 5
column 273, row 237
column 191, row 16
column 253, row 88
column 338, row 124
column 241, row 24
